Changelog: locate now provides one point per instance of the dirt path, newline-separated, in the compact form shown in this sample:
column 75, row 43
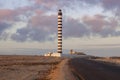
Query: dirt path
column 62, row 72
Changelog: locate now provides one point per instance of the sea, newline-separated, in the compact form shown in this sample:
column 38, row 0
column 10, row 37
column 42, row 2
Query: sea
column 101, row 52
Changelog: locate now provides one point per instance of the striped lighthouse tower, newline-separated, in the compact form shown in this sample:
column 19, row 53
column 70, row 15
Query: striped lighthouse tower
column 59, row 31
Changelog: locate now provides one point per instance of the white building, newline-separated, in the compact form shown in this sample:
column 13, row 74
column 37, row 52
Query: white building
column 53, row 54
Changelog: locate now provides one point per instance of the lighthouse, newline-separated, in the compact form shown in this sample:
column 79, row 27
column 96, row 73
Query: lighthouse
column 59, row 50
column 59, row 32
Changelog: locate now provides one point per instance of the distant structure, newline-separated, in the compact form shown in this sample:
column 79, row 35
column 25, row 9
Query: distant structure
column 71, row 51
column 77, row 53
column 59, row 31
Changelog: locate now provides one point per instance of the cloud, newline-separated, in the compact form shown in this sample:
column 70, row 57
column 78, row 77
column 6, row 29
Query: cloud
column 56, row 4
column 111, row 4
column 89, row 1
column 44, row 28
column 100, row 20
column 40, row 28
column 6, row 14
column 47, row 3
column 10, row 15
column 13, row 4
column 38, row 23
column 3, row 27
column 96, row 23
column 32, row 34
column 73, row 28
column 99, row 24
column 13, row 14
column 108, row 32
column 107, row 5
column 44, row 21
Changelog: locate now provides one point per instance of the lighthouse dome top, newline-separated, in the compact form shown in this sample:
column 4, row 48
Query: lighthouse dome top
column 59, row 9
column 60, row 12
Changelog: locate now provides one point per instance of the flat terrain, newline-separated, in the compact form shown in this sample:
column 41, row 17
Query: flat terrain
column 51, row 68
column 27, row 67
column 85, row 69
column 114, row 60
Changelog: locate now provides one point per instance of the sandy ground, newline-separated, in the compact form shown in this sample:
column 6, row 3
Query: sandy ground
column 26, row 67
column 115, row 61
column 51, row 68
column 34, row 68
column 62, row 72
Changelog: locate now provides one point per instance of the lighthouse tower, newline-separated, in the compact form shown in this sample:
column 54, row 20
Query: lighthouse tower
column 59, row 51
column 59, row 32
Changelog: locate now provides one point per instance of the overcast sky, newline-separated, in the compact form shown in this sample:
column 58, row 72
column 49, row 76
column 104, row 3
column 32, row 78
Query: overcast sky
column 33, row 23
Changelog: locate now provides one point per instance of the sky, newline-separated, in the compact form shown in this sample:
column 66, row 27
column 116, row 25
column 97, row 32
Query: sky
column 86, row 24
